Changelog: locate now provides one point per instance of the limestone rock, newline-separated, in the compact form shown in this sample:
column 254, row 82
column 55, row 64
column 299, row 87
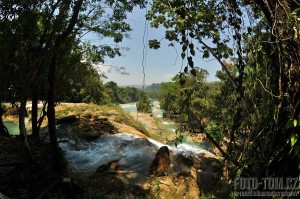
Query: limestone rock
column 140, row 143
column 184, row 160
column 209, row 174
column 67, row 120
column 161, row 162
column 182, row 164
column 109, row 167
column 103, row 125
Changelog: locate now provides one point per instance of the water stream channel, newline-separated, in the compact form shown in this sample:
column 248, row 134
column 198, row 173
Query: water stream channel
column 133, row 153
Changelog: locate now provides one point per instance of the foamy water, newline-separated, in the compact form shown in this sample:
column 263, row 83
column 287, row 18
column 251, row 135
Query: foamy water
column 132, row 152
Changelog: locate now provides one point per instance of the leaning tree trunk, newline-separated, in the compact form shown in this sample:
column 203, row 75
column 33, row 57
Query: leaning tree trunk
column 22, row 115
column 283, row 161
column 59, row 42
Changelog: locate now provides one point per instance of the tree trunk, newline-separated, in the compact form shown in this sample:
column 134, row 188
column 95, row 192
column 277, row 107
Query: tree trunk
column 34, row 115
column 51, row 114
column 22, row 115
column 59, row 41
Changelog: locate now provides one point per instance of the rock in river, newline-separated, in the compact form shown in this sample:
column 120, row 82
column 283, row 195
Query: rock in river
column 161, row 162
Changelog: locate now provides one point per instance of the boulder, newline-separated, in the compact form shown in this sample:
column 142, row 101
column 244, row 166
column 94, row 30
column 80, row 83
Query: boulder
column 139, row 143
column 182, row 164
column 184, row 160
column 138, row 156
column 161, row 162
column 103, row 125
column 209, row 174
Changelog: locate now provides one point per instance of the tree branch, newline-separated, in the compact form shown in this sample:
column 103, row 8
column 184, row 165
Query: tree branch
column 220, row 61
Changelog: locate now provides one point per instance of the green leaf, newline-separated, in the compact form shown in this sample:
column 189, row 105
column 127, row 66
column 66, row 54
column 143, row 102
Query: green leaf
column 249, row 29
column 206, row 54
column 191, row 35
column 190, row 61
column 154, row 44
column 182, row 55
column 185, row 117
column 294, row 139
column 290, row 123
column 248, row 70
column 186, row 69
column 192, row 51
column 193, row 72
column 295, row 123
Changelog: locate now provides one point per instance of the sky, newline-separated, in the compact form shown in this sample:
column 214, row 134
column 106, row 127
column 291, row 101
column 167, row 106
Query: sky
column 160, row 65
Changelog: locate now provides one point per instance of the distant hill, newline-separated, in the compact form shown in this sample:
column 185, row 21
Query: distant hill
column 153, row 90
column 134, row 86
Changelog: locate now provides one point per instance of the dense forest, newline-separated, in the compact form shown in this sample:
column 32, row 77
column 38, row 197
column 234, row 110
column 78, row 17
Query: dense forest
column 259, row 101
column 251, row 115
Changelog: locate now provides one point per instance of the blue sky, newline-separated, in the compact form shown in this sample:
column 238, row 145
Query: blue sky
column 161, row 64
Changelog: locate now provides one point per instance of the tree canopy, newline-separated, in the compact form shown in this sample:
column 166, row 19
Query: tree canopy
column 41, row 44
column 260, row 90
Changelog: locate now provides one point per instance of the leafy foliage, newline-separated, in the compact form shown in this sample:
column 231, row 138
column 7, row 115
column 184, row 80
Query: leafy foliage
column 122, row 95
column 258, row 94
column 143, row 104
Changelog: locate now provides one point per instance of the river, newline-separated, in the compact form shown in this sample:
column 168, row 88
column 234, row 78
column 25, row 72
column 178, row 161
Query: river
column 132, row 153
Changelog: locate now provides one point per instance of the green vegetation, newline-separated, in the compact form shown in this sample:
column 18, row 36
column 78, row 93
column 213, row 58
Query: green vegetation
column 143, row 104
column 122, row 95
column 258, row 96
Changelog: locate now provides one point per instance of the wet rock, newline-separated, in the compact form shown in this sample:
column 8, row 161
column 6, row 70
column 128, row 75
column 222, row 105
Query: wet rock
column 209, row 174
column 139, row 143
column 181, row 164
column 139, row 155
column 83, row 130
column 207, row 181
column 184, row 160
column 103, row 125
column 109, row 167
column 67, row 120
column 161, row 162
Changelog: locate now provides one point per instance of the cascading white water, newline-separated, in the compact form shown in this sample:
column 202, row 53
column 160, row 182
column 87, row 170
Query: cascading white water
column 87, row 156
column 133, row 153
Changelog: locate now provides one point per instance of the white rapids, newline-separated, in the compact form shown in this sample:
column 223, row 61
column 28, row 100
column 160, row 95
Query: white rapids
column 132, row 152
